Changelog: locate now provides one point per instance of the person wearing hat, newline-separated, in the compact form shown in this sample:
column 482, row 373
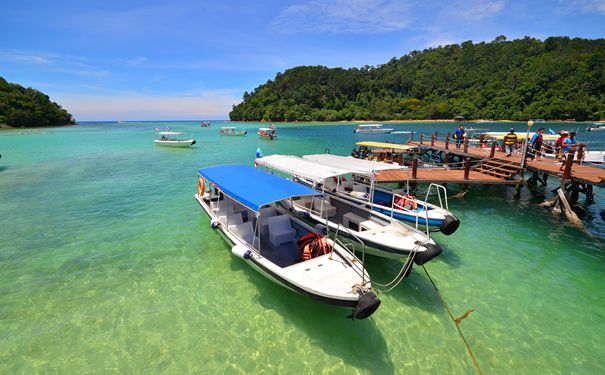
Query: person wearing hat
column 510, row 140
column 559, row 143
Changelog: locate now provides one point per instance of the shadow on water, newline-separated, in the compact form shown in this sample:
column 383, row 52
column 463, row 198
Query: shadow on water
column 3, row 168
column 357, row 343
column 415, row 290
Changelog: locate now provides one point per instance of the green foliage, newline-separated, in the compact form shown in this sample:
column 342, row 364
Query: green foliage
column 558, row 78
column 26, row 107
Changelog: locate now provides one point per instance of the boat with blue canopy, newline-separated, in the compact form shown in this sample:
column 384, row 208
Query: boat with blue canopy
column 252, row 210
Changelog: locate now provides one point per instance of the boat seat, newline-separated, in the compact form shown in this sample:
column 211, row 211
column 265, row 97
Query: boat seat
column 263, row 220
column 244, row 231
column 231, row 220
column 328, row 210
column 280, row 230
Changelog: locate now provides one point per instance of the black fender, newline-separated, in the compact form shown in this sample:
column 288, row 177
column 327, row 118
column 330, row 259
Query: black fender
column 432, row 250
column 367, row 304
column 449, row 225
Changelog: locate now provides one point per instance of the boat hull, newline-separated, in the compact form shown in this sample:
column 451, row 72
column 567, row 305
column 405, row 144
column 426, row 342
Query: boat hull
column 176, row 144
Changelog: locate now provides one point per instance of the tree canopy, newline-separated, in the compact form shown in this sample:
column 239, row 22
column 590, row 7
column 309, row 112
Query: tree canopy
column 26, row 107
column 558, row 78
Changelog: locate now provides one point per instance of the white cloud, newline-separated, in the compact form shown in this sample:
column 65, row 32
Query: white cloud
column 27, row 58
column 344, row 17
column 583, row 6
column 136, row 106
column 475, row 10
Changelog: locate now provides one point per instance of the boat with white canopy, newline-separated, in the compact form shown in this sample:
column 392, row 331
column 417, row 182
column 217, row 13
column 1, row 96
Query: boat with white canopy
column 248, row 207
column 397, row 203
column 173, row 139
column 381, row 235
column 233, row 131
column 372, row 128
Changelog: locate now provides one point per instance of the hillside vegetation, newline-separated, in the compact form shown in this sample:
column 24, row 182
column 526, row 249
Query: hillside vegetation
column 26, row 107
column 558, row 78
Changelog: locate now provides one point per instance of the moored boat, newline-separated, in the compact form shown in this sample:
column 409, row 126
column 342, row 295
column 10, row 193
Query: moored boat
column 173, row 139
column 248, row 207
column 205, row 124
column 267, row 133
column 233, row 131
column 372, row 128
column 381, row 235
column 596, row 126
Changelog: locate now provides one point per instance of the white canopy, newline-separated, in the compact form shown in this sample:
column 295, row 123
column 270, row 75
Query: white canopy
column 352, row 164
column 170, row 133
column 295, row 166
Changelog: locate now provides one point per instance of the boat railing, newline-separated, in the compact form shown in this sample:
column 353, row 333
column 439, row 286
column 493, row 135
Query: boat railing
column 351, row 243
column 441, row 193
column 414, row 203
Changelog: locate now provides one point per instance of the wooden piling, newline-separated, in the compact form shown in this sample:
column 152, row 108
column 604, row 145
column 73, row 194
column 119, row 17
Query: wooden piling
column 467, row 168
column 465, row 145
column 568, row 164
column 415, row 166
column 447, row 141
column 421, row 138
column 492, row 152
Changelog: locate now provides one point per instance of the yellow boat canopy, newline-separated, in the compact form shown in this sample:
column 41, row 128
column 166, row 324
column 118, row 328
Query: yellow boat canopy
column 500, row 135
column 386, row 145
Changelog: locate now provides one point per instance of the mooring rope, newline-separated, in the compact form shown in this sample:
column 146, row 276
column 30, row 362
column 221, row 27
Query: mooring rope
column 456, row 322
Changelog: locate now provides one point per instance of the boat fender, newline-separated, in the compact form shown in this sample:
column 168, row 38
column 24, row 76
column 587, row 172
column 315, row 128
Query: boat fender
column 241, row 252
column 366, row 305
column 214, row 223
column 432, row 250
column 192, row 143
column 449, row 225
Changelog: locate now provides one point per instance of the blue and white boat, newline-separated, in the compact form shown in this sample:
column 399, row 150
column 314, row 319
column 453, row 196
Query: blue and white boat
column 250, row 208
column 381, row 235
column 363, row 189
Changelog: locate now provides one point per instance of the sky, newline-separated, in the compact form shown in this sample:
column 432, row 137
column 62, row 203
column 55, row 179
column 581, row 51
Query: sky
column 193, row 60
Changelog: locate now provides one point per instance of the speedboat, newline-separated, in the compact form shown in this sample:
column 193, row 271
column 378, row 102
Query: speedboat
column 372, row 128
column 380, row 234
column 205, row 124
column 594, row 157
column 267, row 133
column 248, row 207
column 173, row 139
column 595, row 127
column 233, row 131
column 397, row 203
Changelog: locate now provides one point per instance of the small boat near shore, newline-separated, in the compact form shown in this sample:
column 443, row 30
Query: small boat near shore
column 267, row 133
column 247, row 206
column 173, row 139
column 233, row 131
column 596, row 127
column 205, row 124
column 372, row 128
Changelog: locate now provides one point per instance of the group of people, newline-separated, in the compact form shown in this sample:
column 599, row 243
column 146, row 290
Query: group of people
column 565, row 144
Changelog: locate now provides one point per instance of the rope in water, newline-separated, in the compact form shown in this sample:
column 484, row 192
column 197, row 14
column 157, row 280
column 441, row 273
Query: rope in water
column 456, row 322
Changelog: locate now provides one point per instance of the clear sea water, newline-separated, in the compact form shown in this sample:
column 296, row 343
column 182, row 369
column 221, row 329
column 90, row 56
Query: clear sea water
column 108, row 265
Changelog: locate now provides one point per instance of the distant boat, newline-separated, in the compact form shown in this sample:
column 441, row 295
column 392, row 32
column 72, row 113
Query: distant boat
column 372, row 128
column 539, row 120
column 267, row 133
column 233, row 131
column 595, row 127
column 173, row 139
column 205, row 124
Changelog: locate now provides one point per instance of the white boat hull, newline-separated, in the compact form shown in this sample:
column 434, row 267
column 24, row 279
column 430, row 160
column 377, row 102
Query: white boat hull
column 186, row 143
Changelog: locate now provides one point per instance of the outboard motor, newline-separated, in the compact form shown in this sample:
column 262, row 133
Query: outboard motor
column 449, row 225
column 432, row 250
column 367, row 304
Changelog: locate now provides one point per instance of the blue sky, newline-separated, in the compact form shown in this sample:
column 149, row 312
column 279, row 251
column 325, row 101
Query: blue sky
column 181, row 59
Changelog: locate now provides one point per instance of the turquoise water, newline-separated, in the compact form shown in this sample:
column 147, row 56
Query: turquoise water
column 108, row 265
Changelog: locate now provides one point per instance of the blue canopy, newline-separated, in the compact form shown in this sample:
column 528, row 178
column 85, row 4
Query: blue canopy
column 252, row 187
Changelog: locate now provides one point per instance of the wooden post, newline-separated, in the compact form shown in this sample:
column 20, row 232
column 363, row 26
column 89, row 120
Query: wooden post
column 446, row 159
column 568, row 164
column 433, row 140
column 467, row 168
column 414, row 167
column 421, row 138
column 581, row 148
column 447, row 141
column 493, row 150
column 465, row 145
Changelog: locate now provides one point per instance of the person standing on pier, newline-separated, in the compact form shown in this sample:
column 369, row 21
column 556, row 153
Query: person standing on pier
column 510, row 140
column 459, row 135
column 536, row 144
column 568, row 146
column 559, row 143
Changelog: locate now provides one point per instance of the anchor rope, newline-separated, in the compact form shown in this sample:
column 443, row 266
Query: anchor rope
column 456, row 323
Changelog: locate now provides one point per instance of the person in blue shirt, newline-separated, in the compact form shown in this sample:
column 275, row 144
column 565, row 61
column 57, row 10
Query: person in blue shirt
column 459, row 135
column 536, row 144
column 568, row 147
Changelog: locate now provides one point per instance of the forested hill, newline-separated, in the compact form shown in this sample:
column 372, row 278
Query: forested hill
column 559, row 78
column 20, row 106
